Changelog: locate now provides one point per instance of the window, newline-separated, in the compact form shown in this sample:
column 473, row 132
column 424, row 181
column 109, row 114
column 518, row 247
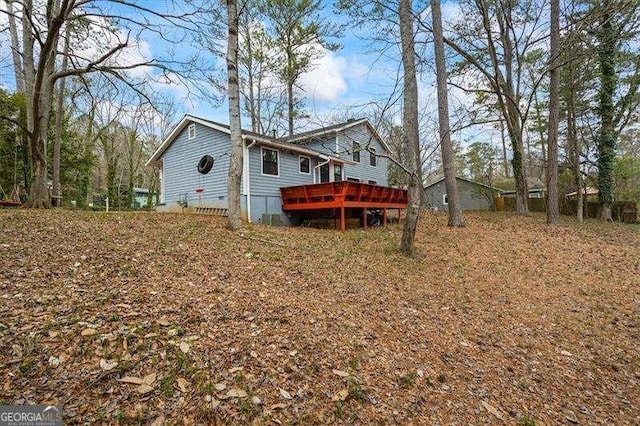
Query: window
column 304, row 165
column 337, row 172
column 350, row 179
column 192, row 131
column 324, row 173
column 445, row 199
column 372, row 182
column 356, row 152
column 373, row 160
column 269, row 162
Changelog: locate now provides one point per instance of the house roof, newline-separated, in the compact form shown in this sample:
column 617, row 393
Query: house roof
column 466, row 180
column 590, row 190
column 531, row 191
column 246, row 135
column 335, row 129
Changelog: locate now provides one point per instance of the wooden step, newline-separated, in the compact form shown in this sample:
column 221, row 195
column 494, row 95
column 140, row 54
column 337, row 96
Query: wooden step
column 214, row 211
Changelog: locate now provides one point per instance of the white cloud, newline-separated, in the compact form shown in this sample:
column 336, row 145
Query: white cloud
column 326, row 82
column 451, row 12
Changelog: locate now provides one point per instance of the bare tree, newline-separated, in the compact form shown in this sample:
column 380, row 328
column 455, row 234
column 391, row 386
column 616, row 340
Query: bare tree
column 41, row 29
column 553, row 208
column 456, row 218
column 60, row 110
column 492, row 41
column 410, row 124
column 235, row 163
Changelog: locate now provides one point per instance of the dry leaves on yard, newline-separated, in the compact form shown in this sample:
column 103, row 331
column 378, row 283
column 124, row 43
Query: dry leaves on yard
column 147, row 318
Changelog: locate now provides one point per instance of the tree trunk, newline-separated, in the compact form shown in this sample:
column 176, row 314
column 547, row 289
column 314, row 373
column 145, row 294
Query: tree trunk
column 508, row 99
column 15, row 48
column 572, row 141
column 410, row 124
column 607, row 137
column 290, row 107
column 553, row 209
column 39, row 82
column 57, row 190
column 505, row 162
column 456, row 219
column 235, row 163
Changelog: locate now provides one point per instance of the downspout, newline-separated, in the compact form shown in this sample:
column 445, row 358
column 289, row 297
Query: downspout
column 246, row 172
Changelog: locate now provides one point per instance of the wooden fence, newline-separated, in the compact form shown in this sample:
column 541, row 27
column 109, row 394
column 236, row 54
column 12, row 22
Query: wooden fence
column 623, row 211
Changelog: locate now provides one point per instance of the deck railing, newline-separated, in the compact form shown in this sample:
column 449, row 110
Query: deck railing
column 342, row 194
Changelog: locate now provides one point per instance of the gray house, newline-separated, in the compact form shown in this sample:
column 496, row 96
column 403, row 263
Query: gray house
column 194, row 162
column 473, row 195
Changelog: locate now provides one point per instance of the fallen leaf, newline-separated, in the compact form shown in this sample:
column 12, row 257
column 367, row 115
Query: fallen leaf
column 183, row 384
column 164, row 322
column 235, row 369
column 159, row 421
column 89, row 332
column 285, row 394
column 53, row 333
column 492, row 410
column 131, row 380
column 149, row 379
column 236, row 393
column 184, row 347
column 341, row 373
column 278, row 406
column 144, row 389
column 54, row 361
column 256, row 400
column 220, row 386
column 566, row 353
column 108, row 365
column 340, row 396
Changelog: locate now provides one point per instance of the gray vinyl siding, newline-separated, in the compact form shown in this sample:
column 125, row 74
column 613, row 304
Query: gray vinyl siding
column 324, row 144
column 363, row 170
column 472, row 196
column 265, row 189
column 180, row 166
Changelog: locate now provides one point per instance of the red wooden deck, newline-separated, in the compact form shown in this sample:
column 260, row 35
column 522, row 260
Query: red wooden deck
column 342, row 195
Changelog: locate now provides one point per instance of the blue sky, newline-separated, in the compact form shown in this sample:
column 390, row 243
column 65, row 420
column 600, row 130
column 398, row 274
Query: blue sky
column 343, row 82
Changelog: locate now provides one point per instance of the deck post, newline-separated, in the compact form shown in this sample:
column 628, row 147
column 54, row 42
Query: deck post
column 384, row 217
column 399, row 215
column 343, row 225
column 364, row 218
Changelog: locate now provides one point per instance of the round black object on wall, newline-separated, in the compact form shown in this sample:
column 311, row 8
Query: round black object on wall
column 205, row 164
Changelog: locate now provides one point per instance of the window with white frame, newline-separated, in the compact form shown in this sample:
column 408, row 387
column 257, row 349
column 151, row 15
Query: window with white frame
column 356, row 152
column 373, row 159
column 372, row 182
column 337, row 172
column 270, row 159
column 445, row 199
column 304, row 165
column 352, row 179
column 192, row 131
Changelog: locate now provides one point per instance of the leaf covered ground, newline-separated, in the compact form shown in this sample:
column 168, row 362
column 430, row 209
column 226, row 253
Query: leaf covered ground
column 144, row 317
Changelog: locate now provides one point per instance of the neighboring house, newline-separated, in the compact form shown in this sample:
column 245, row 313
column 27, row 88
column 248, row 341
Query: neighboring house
column 351, row 151
column 140, row 197
column 473, row 195
column 590, row 192
column 533, row 193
